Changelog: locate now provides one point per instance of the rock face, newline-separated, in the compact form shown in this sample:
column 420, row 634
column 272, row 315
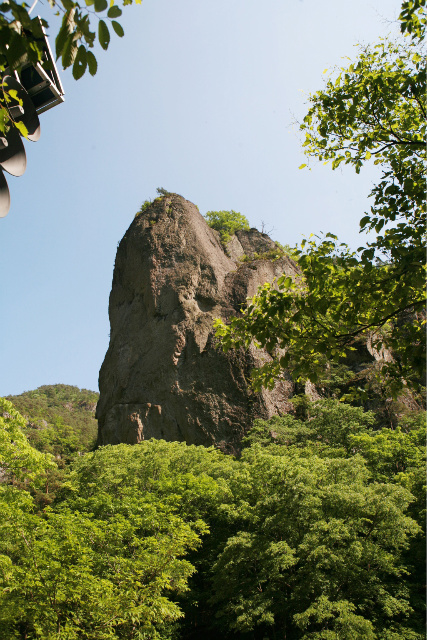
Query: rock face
column 163, row 375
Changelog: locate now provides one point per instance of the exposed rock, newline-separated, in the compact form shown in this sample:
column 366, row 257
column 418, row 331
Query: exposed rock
column 163, row 375
column 249, row 243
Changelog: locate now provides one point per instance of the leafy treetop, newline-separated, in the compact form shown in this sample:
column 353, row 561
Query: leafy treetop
column 18, row 460
column 371, row 110
column 413, row 18
column 227, row 223
column 59, row 419
column 313, row 533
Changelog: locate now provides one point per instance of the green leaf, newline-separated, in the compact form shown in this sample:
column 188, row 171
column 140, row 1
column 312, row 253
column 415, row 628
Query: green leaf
column 302, row 166
column 63, row 34
column 114, row 12
column 61, row 39
column 69, row 52
column 16, row 49
column 100, row 5
column 118, row 28
column 22, row 129
column 80, row 63
column 103, row 35
column 68, row 5
column 36, row 28
column 91, row 63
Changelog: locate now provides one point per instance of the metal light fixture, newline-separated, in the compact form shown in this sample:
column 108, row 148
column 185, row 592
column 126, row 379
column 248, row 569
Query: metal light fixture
column 42, row 85
column 25, row 94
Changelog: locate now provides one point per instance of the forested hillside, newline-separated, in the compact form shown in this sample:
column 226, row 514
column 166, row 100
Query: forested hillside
column 60, row 419
column 316, row 531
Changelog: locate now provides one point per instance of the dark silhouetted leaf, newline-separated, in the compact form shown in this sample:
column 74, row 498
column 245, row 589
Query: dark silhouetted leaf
column 91, row 63
column 103, row 35
column 118, row 28
column 100, row 5
column 114, row 12
column 80, row 63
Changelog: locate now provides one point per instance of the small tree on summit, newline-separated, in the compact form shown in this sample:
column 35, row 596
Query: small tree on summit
column 227, row 223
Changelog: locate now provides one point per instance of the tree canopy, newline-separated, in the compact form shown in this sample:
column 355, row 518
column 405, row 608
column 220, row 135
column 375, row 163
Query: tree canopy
column 371, row 110
column 226, row 222
column 60, row 419
column 315, row 532
column 18, row 459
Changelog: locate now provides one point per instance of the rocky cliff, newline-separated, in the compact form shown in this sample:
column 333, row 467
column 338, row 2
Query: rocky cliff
column 163, row 375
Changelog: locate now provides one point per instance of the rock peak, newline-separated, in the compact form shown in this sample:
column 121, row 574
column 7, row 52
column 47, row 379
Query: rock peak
column 163, row 375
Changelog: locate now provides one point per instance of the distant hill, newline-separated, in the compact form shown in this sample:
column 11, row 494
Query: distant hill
column 60, row 419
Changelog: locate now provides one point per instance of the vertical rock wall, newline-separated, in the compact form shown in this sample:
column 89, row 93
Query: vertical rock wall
column 163, row 376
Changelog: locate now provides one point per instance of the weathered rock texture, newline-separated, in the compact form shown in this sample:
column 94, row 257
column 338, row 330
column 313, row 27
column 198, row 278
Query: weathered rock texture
column 163, row 375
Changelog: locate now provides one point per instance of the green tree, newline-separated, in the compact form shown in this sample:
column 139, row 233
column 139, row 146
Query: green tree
column 75, row 575
column 327, row 424
column 319, row 551
column 111, row 556
column 57, row 419
column 329, row 429
column 398, row 456
column 18, row 460
column 311, row 534
column 60, row 419
column 107, row 559
column 226, row 222
column 371, row 110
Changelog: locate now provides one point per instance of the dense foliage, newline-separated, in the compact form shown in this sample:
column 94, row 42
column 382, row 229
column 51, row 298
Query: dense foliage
column 313, row 533
column 60, row 419
column 371, row 110
column 21, row 36
column 22, row 40
column 226, row 222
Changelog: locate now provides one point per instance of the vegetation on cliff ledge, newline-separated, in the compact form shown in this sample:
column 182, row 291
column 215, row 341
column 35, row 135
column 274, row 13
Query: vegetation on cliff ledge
column 226, row 223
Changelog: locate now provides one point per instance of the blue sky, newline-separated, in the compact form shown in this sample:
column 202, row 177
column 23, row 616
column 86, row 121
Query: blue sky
column 199, row 97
